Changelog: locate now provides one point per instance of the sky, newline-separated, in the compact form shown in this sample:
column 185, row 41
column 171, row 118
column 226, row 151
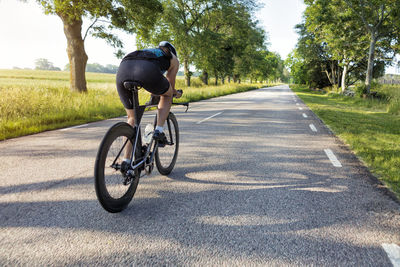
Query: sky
column 278, row 18
column 27, row 34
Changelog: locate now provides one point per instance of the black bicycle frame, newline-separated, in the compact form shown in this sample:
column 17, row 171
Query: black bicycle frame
column 138, row 111
column 138, row 114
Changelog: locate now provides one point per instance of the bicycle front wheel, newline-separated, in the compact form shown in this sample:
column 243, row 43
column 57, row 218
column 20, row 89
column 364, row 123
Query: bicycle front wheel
column 114, row 188
column 166, row 156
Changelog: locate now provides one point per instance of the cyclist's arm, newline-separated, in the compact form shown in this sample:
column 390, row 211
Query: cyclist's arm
column 172, row 71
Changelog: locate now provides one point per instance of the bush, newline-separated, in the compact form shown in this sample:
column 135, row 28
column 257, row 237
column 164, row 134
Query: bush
column 394, row 106
column 392, row 95
column 361, row 90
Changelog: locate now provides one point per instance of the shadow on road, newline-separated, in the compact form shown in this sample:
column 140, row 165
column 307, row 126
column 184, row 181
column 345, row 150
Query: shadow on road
column 247, row 183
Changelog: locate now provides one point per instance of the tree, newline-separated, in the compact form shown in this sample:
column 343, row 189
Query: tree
column 224, row 36
column 342, row 37
column 198, row 29
column 44, row 64
column 378, row 18
column 312, row 60
column 107, row 15
column 353, row 33
column 177, row 25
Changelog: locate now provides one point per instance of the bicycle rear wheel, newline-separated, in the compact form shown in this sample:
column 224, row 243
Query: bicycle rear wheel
column 114, row 188
column 165, row 157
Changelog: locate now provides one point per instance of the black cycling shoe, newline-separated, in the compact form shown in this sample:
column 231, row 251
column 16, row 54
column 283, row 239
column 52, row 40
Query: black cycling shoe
column 160, row 138
column 154, row 99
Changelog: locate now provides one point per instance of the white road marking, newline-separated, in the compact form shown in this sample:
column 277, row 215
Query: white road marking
column 74, row 127
column 312, row 126
column 300, row 108
column 297, row 104
column 305, row 115
column 232, row 102
column 393, row 252
column 333, row 158
column 209, row 118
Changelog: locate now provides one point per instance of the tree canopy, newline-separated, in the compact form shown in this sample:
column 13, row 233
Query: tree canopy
column 348, row 40
column 218, row 37
column 44, row 64
column 106, row 15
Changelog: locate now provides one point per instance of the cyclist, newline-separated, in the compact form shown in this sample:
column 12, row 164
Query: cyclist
column 147, row 66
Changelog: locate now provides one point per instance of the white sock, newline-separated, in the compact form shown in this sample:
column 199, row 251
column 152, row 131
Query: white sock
column 160, row 129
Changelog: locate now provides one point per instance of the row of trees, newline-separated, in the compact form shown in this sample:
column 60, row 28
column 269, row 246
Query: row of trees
column 45, row 64
column 344, row 41
column 96, row 67
column 218, row 37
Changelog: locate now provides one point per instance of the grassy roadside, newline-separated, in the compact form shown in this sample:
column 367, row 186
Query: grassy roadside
column 36, row 101
column 366, row 126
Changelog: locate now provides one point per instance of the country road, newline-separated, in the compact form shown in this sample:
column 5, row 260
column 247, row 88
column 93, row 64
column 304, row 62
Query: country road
column 259, row 181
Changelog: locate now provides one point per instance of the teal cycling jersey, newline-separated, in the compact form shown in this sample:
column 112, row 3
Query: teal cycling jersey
column 153, row 54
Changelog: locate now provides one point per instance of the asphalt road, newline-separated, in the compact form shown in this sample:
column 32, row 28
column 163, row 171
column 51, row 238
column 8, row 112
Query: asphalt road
column 253, row 185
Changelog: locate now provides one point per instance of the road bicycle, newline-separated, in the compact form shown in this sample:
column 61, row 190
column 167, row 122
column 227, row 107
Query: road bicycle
column 116, row 180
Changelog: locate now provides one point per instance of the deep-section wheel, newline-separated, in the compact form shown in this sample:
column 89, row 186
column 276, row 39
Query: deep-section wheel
column 115, row 184
column 166, row 156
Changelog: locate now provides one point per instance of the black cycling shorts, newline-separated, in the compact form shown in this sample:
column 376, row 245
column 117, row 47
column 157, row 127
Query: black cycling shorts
column 147, row 72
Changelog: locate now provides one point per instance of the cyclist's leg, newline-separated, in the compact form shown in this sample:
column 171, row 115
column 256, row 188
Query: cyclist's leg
column 164, row 106
column 131, row 121
column 125, row 73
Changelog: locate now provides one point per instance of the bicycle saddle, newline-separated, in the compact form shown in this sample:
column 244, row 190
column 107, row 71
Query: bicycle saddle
column 132, row 85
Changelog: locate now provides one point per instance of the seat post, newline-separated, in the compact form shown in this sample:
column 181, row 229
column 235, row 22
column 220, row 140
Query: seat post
column 135, row 103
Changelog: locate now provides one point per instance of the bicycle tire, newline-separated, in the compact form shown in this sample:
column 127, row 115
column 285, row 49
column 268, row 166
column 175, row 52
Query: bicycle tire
column 166, row 157
column 108, row 180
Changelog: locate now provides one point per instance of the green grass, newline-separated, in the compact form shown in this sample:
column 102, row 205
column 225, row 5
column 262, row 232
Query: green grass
column 370, row 127
column 36, row 101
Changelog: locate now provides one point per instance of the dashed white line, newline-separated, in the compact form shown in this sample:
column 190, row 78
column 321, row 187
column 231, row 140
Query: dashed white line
column 209, row 118
column 305, row 115
column 313, row 128
column 333, row 158
column 300, row 108
column 393, row 252
column 74, row 127
column 297, row 104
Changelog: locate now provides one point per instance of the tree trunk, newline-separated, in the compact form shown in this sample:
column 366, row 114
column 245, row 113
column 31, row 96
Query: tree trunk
column 333, row 72
column 76, row 53
column 229, row 79
column 223, row 79
column 187, row 71
column 205, row 77
column 329, row 77
column 235, row 78
column 216, row 79
column 371, row 58
column 344, row 78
